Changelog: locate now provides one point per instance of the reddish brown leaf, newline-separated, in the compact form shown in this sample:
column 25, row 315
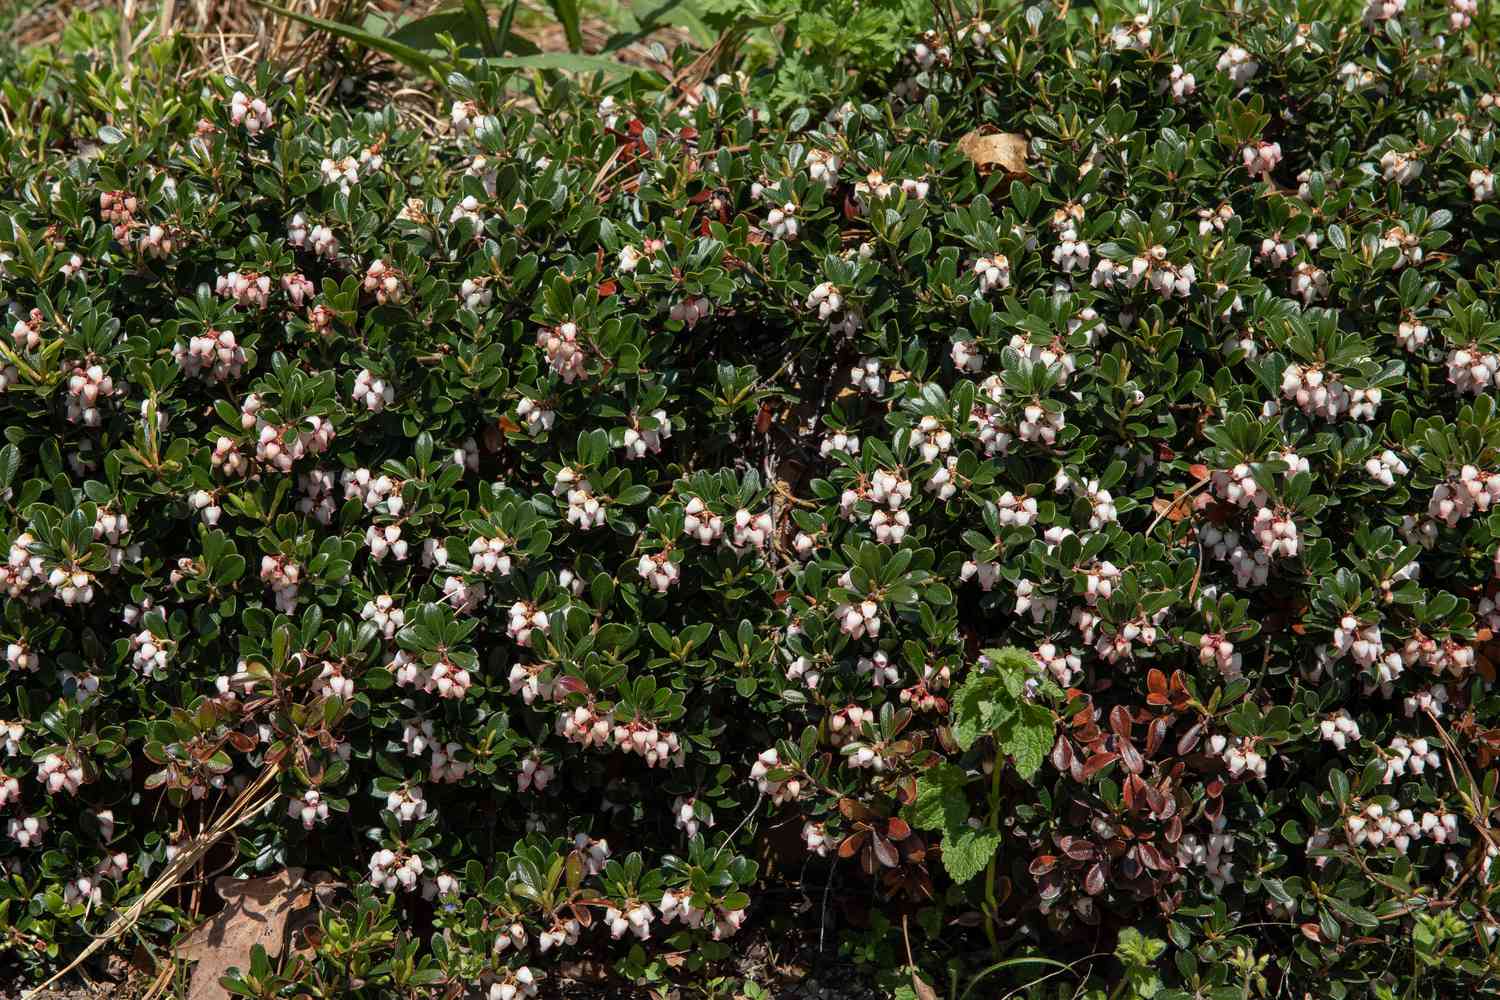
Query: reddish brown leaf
column 1093, row 882
column 1062, row 754
column 1097, row 763
column 1156, row 734
column 854, row 810
column 1153, row 859
column 763, row 418
column 851, row 844
column 1188, row 740
column 1079, row 849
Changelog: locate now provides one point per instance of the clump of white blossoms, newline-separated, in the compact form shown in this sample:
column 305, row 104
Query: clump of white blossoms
column 246, row 288
column 26, row 831
column 525, row 618
column 1180, row 84
column 1385, row 467
column 59, row 773
column 1261, row 157
column 828, row 300
column 1238, row 65
column 372, row 392
column 1239, row 755
column 534, row 774
column 390, row 871
column 157, row 243
column 564, row 353
column 1072, row 253
column 1211, row 853
column 1215, row 650
column 20, row 657
column 1472, row 369
column 1339, row 729
column 386, row 541
column 1277, row 533
column 251, row 112
column 149, row 654
column 385, row 282
column 283, row 576
column 1482, row 183
column 701, row 523
column 1322, row 393
column 1377, row 11
column 691, row 310
column 520, row 982
column 1409, row 245
column 310, row 809
column 1309, row 282
column 1133, row 35
column 539, row 418
column 866, row 376
column 383, row 613
column 781, row 222
column 992, row 272
column 638, row 440
column 823, row 167
column 1400, row 166
column 658, row 570
column 213, row 356
column 1412, row 336
column 859, row 620
column 1409, row 756
column 786, row 790
column 751, row 531
column 1040, row 423
column 1168, row 279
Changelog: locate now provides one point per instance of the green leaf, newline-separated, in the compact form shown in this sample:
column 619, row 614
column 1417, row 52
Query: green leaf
column 1028, row 738
column 479, row 19
column 970, row 708
column 940, row 803
column 404, row 54
column 572, row 62
column 566, row 12
column 968, row 851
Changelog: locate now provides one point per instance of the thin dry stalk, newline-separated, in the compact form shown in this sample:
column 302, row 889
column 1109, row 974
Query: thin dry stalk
column 255, row 797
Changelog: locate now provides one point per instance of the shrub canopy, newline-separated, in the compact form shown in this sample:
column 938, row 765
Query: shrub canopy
column 1048, row 499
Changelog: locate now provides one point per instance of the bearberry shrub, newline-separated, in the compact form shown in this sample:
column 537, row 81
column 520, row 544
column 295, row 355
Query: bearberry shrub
column 607, row 519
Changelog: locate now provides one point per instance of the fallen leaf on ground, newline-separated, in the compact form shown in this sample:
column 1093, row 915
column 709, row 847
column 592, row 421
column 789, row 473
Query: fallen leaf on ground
column 255, row 913
column 1006, row 150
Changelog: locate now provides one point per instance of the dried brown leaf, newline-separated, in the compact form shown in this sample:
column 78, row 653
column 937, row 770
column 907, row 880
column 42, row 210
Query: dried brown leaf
column 1005, row 150
column 255, row 912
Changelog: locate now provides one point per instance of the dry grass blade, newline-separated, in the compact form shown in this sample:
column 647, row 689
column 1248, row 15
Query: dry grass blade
column 256, row 796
